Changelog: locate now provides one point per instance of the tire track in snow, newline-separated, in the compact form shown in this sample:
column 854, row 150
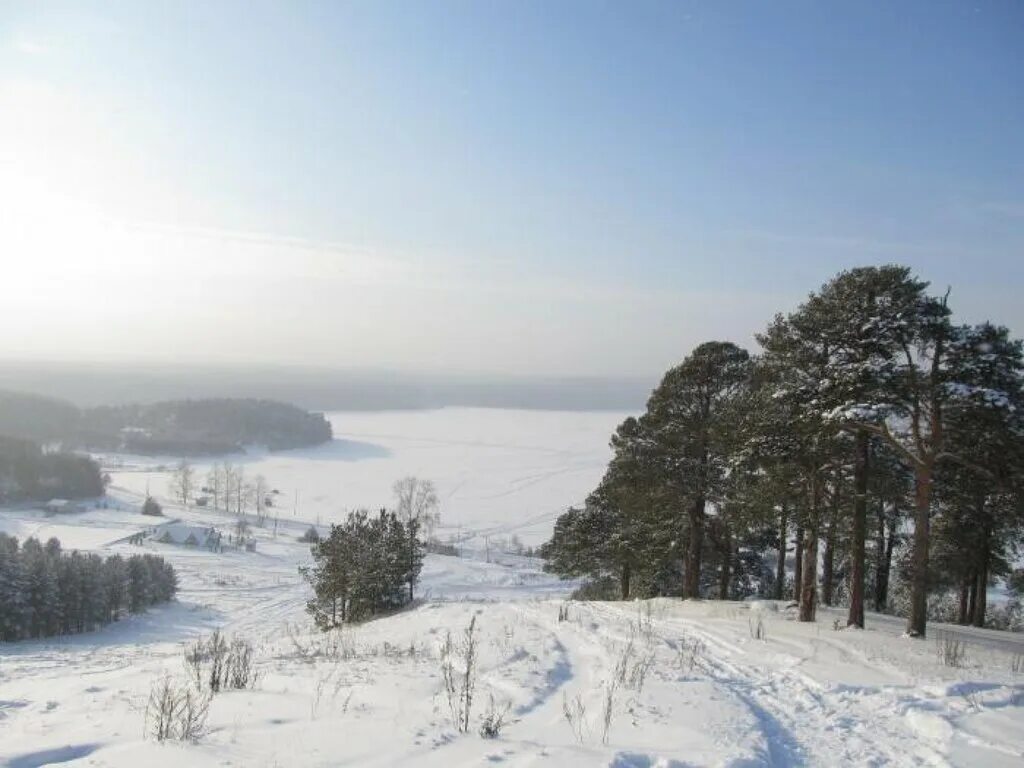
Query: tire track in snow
column 582, row 657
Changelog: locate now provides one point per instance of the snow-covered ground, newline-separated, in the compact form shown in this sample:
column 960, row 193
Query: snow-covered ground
column 689, row 684
column 498, row 472
column 682, row 684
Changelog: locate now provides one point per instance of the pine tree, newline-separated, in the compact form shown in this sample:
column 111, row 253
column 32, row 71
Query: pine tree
column 681, row 437
column 362, row 568
column 795, row 367
column 861, row 315
column 13, row 590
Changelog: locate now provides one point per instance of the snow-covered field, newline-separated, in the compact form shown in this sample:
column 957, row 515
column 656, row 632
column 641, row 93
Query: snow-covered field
column 689, row 684
column 658, row 683
column 498, row 472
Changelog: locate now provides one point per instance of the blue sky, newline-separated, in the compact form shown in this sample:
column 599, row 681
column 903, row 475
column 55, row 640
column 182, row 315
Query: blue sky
column 529, row 187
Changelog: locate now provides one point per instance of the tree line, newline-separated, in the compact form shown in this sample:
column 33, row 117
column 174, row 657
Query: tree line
column 28, row 473
column 881, row 439
column 225, row 487
column 177, row 427
column 45, row 591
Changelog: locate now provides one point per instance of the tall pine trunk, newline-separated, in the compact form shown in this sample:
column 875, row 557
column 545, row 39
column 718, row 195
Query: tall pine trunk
column 885, row 565
column 861, row 469
column 412, row 557
column 725, row 573
column 624, row 577
column 972, row 596
column 918, row 620
column 881, row 574
column 980, row 597
column 798, row 561
column 828, row 563
column 981, row 579
column 780, row 563
column 809, row 572
column 965, row 597
column 691, row 581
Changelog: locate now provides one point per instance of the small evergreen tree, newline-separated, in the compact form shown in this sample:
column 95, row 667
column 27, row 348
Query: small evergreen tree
column 363, row 567
column 152, row 507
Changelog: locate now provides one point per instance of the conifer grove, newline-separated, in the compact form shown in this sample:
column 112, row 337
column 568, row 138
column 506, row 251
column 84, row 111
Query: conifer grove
column 869, row 454
column 46, row 591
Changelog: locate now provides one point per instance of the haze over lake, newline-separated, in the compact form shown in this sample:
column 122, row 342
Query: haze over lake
column 498, row 472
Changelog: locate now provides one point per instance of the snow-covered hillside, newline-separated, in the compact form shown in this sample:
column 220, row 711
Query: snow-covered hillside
column 678, row 684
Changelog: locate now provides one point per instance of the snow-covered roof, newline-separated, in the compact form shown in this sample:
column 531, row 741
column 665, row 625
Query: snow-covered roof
column 185, row 535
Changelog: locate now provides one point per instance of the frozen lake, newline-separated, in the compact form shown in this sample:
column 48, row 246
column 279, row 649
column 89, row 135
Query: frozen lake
column 498, row 472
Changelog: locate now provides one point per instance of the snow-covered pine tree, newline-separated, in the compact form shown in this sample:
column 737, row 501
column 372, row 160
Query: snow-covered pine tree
column 684, row 437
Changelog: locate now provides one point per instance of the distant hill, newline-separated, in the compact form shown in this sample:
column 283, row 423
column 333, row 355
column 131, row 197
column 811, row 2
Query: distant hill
column 176, row 427
column 323, row 389
column 40, row 419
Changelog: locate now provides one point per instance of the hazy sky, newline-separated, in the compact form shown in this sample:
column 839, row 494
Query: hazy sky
column 530, row 187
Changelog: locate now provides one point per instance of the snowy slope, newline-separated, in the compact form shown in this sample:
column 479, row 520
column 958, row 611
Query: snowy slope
column 689, row 684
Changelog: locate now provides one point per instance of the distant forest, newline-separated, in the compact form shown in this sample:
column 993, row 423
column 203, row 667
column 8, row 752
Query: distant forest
column 28, row 473
column 178, row 427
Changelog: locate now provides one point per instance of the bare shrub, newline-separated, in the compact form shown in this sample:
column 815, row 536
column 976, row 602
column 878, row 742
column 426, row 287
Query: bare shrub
column 645, row 622
column 348, row 699
column 504, row 642
column 972, row 700
column 176, row 711
column 161, row 709
column 194, row 656
column 623, row 663
column 192, row 713
column 218, row 663
column 302, row 650
column 950, row 651
column 239, row 672
column 391, row 651
column 459, row 683
column 757, row 628
column 494, row 718
column 575, row 713
column 215, row 654
column 451, row 688
column 608, row 709
column 1017, row 663
column 632, row 666
column 689, row 652
column 638, row 672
